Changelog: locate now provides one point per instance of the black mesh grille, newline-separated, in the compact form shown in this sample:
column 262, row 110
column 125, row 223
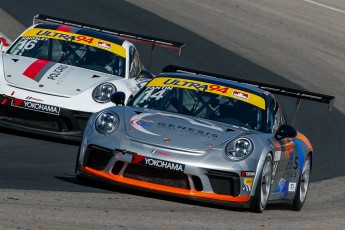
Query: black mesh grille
column 32, row 119
column 224, row 183
column 157, row 176
column 67, row 121
column 96, row 157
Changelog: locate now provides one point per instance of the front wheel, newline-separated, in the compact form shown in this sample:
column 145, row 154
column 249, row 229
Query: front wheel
column 302, row 188
column 263, row 187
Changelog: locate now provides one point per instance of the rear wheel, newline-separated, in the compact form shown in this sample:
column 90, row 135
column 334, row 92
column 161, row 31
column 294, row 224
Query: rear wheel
column 302, row 188
column 263, row 187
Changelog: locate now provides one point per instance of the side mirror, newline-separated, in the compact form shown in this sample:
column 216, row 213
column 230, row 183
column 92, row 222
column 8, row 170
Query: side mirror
column 118, row 98
column 144, row 76
column 285, row 131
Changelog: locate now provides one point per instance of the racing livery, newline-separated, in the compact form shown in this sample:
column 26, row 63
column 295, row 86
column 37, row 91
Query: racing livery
column 58, row 72
column 189, row 134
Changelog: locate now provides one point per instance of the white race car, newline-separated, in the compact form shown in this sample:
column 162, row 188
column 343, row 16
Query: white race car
column 58, row 72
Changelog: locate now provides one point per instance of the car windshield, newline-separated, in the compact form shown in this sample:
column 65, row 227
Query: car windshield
column 70, row 53
column 207, row 101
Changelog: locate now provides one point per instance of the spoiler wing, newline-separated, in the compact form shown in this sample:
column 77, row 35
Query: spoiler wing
column 41, row 18
column 299, row 94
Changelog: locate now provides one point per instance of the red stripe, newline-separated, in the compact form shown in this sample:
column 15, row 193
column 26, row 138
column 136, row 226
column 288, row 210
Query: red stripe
column 35, row 68
column 65, row 28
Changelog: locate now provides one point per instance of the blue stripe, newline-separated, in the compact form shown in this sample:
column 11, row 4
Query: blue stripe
column 300, row 154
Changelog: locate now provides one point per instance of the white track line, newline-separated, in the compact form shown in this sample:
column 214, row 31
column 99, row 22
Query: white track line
column 326, row 6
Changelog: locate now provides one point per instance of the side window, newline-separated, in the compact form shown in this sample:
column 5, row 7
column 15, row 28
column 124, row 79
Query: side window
column 135, row 65
column 276, row 117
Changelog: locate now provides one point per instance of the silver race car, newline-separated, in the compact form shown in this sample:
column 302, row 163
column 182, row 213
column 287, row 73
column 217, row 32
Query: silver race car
column 58, row 72
column 189, row 134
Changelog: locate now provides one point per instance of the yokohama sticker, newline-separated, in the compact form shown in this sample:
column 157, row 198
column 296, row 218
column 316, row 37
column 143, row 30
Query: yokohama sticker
column 36, row 106
column 167, row 165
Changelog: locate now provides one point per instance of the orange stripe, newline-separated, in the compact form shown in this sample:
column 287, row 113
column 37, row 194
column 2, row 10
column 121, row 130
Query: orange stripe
column 163, row 188
column 305, row 140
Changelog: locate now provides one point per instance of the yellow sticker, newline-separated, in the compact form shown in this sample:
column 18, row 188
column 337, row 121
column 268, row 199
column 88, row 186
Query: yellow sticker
column 81, row 39
column 211, row 88
column 247, row 184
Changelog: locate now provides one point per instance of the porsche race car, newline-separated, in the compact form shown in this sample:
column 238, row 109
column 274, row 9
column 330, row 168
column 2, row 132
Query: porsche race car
column 58, row 72
column 201, row 135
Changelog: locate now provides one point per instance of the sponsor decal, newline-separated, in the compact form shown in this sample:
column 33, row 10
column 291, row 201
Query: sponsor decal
column 142, row 122
column 33, row 99
column 104, row 45
column 277, row 155
column 250, row 98
column 186, row 129
column 292, row 187
column 248, row 173
column 139, row 123
column 57, row 71
column 36, row 106
column 165, row 154
column 247, row 184
column 68, row 33
column 240, row 95
column 167, row 165
column 266, row 93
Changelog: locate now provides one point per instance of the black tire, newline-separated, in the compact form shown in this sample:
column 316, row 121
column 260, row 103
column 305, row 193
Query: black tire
column 303, row 184
column 259, row 202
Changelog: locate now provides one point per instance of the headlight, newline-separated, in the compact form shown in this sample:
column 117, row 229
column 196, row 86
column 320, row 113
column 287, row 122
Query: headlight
column 239, row 148
column 103, row 92
column 107, row 122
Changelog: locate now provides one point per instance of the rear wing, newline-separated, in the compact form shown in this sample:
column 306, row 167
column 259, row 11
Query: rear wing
column 299, row 94
column 41, row 18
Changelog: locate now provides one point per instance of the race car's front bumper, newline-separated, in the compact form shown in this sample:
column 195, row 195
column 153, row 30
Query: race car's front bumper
column 58, row 122
column 119, row 167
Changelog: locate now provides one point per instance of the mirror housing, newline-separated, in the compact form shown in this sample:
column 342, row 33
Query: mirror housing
column 285, row 131
column 118, row 98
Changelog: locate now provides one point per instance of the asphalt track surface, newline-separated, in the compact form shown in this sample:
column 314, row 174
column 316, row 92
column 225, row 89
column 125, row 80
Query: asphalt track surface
column 297, row 44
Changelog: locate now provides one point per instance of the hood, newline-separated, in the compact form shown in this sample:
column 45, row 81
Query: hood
column 50, row 77
column 175, row 130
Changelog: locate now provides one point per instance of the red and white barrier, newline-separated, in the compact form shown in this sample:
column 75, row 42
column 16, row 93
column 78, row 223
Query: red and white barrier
column 5, row 42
